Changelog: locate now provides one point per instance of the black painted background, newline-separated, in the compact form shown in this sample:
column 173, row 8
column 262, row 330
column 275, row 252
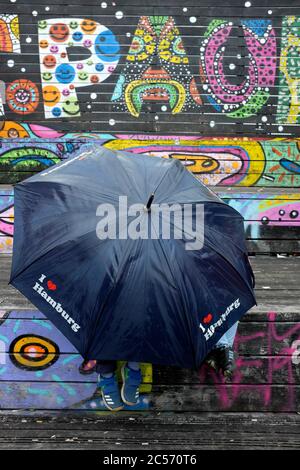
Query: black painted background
column 102, row 109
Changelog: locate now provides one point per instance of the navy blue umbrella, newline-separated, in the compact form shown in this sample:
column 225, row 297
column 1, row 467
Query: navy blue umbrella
column 131, row 257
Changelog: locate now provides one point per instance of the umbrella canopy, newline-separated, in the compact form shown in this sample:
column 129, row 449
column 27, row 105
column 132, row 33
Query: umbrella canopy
column 131, row 257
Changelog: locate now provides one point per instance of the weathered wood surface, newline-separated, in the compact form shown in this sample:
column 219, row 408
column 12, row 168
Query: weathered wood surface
column 152, row 431
column 266, row 379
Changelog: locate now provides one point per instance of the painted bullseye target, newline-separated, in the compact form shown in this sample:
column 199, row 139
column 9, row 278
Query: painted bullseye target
column 33, row 352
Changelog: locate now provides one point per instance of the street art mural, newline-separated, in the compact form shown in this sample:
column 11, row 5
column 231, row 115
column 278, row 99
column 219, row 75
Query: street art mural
column 248, row 97
column 289, row 72
column 267, row 219
column 9, row 34
column 168, row 80
column 218, row 162
column 215, row 161
column 279, row 367
column 203, row 73
column 9, row 43
column 219, row 93
column 60, row 77
column 41, row 369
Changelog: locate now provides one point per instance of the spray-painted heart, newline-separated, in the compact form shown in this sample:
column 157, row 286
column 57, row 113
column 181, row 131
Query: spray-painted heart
column 51, row 285
column 208, row 318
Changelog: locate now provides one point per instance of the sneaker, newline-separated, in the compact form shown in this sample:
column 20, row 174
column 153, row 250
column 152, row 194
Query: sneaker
column 131, row 382
column 110, row 392
column 226, row 361
column 87, row 367
column 212, row 359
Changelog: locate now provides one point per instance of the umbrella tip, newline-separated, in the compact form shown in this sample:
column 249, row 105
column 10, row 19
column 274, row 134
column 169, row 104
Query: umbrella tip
column 147, row 207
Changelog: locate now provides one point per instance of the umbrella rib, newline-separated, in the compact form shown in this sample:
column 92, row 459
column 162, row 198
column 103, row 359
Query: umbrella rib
column 178, row 290
column 163, row 176
column 218, row 253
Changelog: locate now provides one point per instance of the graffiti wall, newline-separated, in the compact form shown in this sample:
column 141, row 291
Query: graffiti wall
column 272, row 220
column 218, row 92
column 34, row 354
column 214, row 84
column 125, row 67
column 40, row 370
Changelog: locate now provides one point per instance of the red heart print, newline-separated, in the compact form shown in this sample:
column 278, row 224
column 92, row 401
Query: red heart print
column 51, row 285
column 208, row 318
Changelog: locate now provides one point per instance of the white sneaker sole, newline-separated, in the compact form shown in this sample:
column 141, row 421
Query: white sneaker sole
column 119, row 408
column 123, row 387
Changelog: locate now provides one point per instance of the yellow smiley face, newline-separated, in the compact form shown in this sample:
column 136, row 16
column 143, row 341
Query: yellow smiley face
column 51, row 95
column 88, row 26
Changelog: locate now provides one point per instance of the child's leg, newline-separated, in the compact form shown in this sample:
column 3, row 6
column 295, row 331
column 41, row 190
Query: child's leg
column 228, row 338
column 106, row 368
column 133, row 365
column 222, row 355
column 108, row 385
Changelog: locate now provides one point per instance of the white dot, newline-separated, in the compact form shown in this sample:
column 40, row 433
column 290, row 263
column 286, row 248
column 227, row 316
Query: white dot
column 280, row 128
column 103, row 5
column 270, row 12
column 128, row 35
column 156, row 118
column 164, row 107
column 232, row 66
column 35, row 13
column 28, row 39
column 89, row 106
column 13, row 1
column 247, row 4
column 212, row 123
column 264, row 118
column 93, row 96
column 119, row 15
column 23, row 69
column 193, row 19
column 112, row 122
column 10, row 63
column 184, row 9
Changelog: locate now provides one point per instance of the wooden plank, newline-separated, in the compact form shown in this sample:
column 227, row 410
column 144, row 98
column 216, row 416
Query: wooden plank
column 253, row 338
column 269, row 358
column 171, row 398
column 250, row 369
column 146, row 439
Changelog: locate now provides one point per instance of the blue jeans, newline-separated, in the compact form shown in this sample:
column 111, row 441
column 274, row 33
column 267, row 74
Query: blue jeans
column 228, row 338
